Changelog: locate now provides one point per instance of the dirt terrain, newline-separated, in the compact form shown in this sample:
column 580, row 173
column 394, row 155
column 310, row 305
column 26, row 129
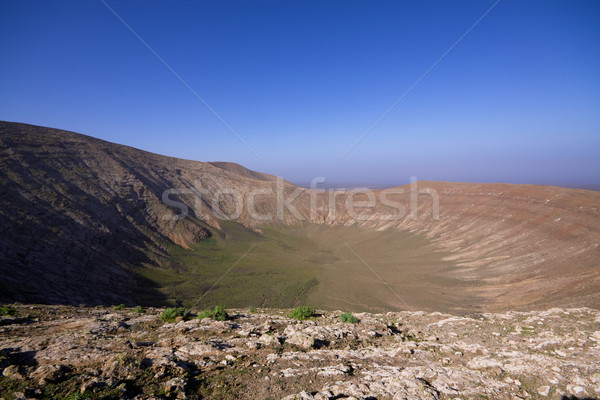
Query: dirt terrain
column 495, row 288
column 64, row 352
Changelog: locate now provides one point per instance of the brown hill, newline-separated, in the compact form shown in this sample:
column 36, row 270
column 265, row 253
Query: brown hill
column 79, row 216
column 242, row 171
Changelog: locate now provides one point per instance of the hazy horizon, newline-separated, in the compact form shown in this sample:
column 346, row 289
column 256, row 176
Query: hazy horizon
column 469, row 91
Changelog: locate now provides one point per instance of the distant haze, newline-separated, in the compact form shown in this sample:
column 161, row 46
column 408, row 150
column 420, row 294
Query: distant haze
column 515, row 100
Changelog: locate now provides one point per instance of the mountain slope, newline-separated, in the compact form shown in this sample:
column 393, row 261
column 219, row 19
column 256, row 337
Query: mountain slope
column 84, row 221
column 78, row 214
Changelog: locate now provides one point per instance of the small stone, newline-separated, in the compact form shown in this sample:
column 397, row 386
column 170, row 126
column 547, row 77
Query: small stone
column 484, row 363
column 253, row 345
column 543, row 390
column 300, row 396
column 89, row 385
column 13, row 372
column 577, row 390
column 244, row 332
column 267, row 326
column 324, row 395
column 560, row 353
column 175, row 385
column 301, row 340
column 49, row 373
column 268, row 340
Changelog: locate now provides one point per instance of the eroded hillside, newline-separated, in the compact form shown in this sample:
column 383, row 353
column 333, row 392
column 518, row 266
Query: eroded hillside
column 86, row 221
column 78, row 215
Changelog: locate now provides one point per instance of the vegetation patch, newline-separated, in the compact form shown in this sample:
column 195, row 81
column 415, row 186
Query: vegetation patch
column 302, row 313
column 218, row 314
column 8, row 311
column 349, row 318
column 171, row 314
column 139, row 310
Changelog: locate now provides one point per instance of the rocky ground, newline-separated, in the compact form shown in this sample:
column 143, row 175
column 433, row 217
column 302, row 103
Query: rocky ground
column 91, row 353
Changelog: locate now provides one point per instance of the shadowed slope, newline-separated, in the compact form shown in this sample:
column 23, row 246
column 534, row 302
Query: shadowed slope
column 78, row 214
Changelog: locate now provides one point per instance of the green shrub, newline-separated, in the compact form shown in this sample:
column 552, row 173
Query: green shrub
column 253, row 310
column 171, row 314
column 302, row 313
column 138, row 310
column 348, row 318
column 8, row 310
column 119, row 307
column 218, row 314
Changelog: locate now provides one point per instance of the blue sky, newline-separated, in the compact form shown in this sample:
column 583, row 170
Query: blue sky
column 517, row 100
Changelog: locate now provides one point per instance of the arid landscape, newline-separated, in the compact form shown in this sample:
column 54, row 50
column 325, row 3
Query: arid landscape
column 100, row 353
column 300, row 200
column 78, row 212
column 460, row 290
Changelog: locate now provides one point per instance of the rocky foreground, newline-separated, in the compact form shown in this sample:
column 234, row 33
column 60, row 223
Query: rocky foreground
column 92, row 353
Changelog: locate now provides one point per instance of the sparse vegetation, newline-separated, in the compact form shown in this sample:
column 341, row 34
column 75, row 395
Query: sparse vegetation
column 349, row 318
column 218, row 314
column 171, row 314
column 253, row 310
column 526, row 330
column 302, row 313
column 8, row 310
column 139, row 310
column 119, row 307
column 270, row 284
column 313, row 346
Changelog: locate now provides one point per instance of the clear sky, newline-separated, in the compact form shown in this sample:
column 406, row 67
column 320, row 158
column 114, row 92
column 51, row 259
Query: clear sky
column 516, row 100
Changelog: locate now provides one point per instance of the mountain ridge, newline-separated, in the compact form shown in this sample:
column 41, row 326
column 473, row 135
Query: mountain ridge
column 88, row 211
